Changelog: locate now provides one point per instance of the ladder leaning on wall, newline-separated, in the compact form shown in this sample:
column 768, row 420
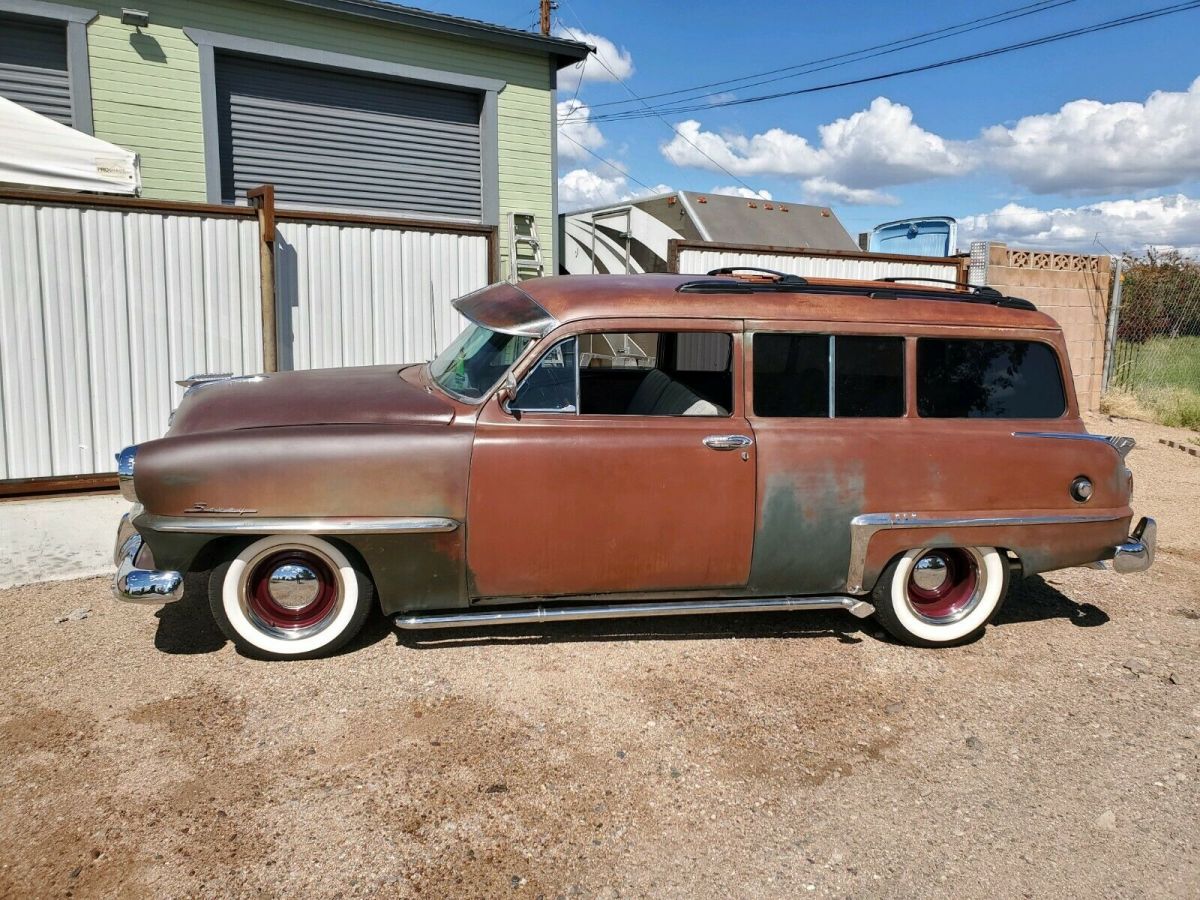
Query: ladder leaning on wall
column 524, row 248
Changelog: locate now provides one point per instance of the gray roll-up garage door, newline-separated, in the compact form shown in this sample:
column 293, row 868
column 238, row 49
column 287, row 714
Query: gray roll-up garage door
column 33, row 66
column 329, row 138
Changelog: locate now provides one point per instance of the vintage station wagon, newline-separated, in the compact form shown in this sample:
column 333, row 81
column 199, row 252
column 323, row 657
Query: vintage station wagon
column 623, row 446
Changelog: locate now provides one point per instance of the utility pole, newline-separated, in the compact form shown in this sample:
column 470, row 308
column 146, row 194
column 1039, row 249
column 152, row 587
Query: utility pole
column 547, row 7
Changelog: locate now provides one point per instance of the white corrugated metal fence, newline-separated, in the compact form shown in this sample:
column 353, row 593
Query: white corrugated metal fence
column 100, row 310
column 696, row 260
column 352, row 295
column 104, row 306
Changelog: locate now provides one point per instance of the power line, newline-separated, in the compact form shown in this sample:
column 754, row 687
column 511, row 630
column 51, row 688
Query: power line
column 611, row 165
column 862, row 55
column 571, row 107
column 985, row 54
column 674, row 130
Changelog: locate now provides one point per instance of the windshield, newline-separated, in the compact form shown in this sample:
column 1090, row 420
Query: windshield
column 476, row 361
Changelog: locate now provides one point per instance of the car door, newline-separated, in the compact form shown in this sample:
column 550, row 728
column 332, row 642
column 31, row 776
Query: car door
column 566, row 502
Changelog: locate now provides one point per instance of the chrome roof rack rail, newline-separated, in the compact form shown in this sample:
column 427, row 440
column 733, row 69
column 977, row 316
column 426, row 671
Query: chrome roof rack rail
column 794, row 284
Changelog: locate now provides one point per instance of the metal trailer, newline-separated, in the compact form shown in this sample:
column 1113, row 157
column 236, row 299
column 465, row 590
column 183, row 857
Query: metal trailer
column 634, row 237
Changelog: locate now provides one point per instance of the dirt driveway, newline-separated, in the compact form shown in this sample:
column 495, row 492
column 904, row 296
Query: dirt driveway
column 756, row 756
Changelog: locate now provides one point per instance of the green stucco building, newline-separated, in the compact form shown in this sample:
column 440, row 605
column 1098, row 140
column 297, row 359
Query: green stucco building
column 354, row 105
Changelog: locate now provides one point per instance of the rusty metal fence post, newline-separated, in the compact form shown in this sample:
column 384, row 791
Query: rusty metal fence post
column 262, row 198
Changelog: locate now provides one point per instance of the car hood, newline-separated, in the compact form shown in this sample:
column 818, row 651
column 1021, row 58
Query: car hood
column 369, row 395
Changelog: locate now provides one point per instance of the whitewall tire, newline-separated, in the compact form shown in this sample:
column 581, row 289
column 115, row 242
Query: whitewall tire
column 938, row 597
column 290, row 597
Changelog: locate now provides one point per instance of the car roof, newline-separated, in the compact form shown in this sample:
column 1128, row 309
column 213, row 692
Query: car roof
column 569, row 298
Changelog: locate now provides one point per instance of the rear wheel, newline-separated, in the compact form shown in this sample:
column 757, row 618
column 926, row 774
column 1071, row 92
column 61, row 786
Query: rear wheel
column 290, row 597
column 940, row 597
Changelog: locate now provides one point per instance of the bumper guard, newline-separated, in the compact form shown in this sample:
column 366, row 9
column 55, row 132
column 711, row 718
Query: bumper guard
column 1137, row 553
column 135, row 585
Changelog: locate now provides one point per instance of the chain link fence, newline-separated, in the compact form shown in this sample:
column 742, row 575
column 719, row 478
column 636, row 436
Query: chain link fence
column 1154, row 356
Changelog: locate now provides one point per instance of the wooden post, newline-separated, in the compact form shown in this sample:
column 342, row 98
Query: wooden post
column 544, row 18
column 263, row 199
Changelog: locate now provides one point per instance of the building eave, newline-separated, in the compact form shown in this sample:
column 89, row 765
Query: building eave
column 564, row 52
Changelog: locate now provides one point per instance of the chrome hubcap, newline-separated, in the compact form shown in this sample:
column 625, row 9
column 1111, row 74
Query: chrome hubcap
column 930, row 572
column 293, row 586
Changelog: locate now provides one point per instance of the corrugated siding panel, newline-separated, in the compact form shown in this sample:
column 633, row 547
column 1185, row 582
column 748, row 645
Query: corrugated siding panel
column 33, row 66
column 329, row 138
column 355, row 295
column 695, row 261
column 100, row 312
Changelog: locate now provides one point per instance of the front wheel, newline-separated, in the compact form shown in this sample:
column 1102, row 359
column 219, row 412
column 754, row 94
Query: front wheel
column 941, row 597
column 290, row 597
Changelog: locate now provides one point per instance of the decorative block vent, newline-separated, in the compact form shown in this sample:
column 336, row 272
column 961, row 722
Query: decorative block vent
column 1067, row 262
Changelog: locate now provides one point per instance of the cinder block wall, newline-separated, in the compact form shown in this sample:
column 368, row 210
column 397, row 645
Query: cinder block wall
column 1074, row 289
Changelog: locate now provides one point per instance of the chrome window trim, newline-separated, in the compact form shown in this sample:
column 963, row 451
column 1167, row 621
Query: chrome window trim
column 864, row 527
column 289, row 525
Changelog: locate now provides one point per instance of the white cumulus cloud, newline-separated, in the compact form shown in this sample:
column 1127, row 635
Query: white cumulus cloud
column 875, row 147
column 736, row 190
column 582, row 188
column 1168, row 221
column 825, row 190
column 1092, row 147
column 577, row 134
column 606, row 63
column 1085, row 147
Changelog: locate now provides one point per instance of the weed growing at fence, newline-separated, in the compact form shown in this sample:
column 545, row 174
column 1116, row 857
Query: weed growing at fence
column 1156, row 360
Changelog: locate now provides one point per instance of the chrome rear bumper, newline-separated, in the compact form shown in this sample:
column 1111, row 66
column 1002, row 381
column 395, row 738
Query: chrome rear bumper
column 136, row 585
column 1137, row 553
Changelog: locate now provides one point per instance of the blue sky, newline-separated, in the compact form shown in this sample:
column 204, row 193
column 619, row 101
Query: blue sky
column 1004, row 144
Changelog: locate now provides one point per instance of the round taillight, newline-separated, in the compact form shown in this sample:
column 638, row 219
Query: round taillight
column 1081, row 489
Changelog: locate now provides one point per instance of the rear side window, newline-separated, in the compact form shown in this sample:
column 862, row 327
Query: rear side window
column 988, row 379
column 791, row 376
column 868, row 376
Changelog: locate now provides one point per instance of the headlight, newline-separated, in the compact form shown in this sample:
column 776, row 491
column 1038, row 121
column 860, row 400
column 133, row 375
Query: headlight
column 125, row 460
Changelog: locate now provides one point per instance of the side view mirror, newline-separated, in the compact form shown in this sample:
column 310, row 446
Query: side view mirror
column 507, row 392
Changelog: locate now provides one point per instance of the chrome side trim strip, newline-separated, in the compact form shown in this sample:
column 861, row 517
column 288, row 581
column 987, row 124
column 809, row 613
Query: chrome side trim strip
column 864, row 527
column 329, row 525
column 1121, row 444
column 421, row 621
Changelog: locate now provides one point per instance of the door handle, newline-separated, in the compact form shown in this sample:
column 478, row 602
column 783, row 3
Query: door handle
column 728, row 441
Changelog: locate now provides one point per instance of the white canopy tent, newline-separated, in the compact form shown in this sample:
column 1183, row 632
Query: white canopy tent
column 38, row 152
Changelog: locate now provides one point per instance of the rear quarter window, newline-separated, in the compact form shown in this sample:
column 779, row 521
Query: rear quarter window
column 986, row 379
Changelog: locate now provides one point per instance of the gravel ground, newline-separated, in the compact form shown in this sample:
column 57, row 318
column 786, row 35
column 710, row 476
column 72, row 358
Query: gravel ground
column 754, row 756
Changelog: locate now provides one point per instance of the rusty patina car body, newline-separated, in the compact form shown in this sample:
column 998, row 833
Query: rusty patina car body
column 464, row 510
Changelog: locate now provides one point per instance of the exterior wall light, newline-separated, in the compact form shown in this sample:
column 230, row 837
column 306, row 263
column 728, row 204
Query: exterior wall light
column 138, row 18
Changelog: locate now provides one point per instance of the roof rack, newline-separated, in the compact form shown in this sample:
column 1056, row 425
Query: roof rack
column 780, row 277
column 794, row 284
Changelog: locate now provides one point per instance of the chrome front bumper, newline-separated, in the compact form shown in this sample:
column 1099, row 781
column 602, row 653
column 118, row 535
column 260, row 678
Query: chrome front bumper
column 1137, row 553
column 136, row 585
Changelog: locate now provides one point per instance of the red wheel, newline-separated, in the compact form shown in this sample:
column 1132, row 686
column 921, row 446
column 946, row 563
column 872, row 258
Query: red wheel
column 292, row 597
column 291, row 591
column 941, row 596
column 941, row 586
